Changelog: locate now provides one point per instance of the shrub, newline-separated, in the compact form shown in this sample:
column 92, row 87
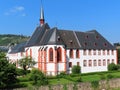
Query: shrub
column 76, row 69
column 38, row 77
column 61, row 75
column 112, row 67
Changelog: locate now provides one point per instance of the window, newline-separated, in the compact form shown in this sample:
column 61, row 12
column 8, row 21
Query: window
column 99, row 52
column 78, row 64
column 90, row 63
column 97, row 37
column 59, row 55
column 89, row 52
column 51, row 54
column 58, row 38
column 99, row 62
column 95, row 63
column 77, row 53
column 94, row 52
column 108, row 61
column 84, row 63
column 84, row 52
column 108, row 52
column 112, row 52
column 95, row 44
column 104, row 62
column 70, row 64
column 71, row 53
column 112, row 60
column 86, row 37
column 85, row 44
column 103, row 52
column 105, row 44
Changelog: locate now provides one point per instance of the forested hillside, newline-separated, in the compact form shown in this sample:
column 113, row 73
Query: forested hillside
column 8, row 39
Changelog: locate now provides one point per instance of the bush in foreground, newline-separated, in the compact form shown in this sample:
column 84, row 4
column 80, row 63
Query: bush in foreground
column 112, row 67
column 76, row 69
column 38, row 77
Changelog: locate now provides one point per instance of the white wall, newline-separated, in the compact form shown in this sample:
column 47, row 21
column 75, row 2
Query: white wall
column 91, row 57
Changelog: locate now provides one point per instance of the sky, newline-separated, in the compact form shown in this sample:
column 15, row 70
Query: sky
column 22, row 16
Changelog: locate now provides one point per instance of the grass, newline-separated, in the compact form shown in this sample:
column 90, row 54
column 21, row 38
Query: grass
column 89, row 77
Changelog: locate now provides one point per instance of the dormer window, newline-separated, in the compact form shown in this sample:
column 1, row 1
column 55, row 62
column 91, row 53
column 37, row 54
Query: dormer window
column 85, row 44
column 105, row 44
column 97, row 37
column 86, row 36
column 70, row 41
column 95, row 44
column 58, row 38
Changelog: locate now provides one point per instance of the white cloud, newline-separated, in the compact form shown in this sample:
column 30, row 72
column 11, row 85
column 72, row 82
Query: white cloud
column 16, row 10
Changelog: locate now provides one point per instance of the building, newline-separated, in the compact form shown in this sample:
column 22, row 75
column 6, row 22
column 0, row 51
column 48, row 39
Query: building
column 57, row 50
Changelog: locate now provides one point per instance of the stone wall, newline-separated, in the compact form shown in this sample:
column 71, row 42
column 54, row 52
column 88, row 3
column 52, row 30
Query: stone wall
column 103, row 85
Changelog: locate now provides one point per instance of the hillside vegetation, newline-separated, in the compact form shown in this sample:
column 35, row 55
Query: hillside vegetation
column 8, row 39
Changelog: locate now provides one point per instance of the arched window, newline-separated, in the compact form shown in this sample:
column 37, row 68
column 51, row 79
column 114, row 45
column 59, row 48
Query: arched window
column 59, row 55
column 77, row 53
column 71, row 53
column 50, row 54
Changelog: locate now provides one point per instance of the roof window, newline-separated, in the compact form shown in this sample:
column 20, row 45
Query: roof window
column 58, row 38
column 70, row 41
column 97, row 37
column 86, row 37
column 95, row 44
column 85, row 43
column 105, row 44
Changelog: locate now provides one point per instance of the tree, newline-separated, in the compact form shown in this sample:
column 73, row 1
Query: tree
column 26, row 63
column 119, row 56
column 38, row 77
column 112, row 67
column 76, row 69
column 8, row 74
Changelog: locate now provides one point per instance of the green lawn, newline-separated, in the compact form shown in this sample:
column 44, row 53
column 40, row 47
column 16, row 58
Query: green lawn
column 73, row 78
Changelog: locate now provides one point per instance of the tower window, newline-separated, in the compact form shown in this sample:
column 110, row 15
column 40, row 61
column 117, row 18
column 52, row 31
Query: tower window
column 51, row 54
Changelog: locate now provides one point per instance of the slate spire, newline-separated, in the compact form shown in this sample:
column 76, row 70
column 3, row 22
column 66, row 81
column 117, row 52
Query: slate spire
column 42, row 21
